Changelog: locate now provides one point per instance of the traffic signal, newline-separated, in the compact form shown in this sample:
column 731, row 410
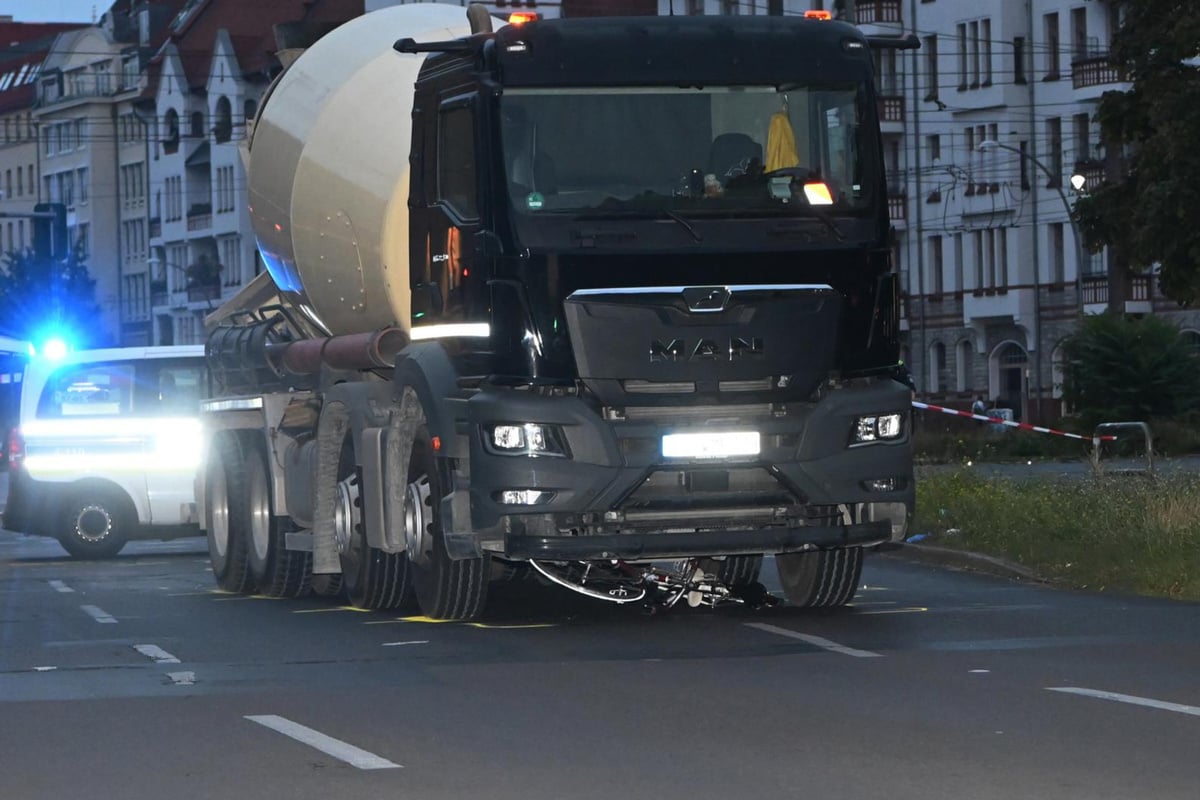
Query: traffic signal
column 50, row 231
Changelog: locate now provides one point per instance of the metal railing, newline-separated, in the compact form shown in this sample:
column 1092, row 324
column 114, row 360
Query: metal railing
column 1107, row 431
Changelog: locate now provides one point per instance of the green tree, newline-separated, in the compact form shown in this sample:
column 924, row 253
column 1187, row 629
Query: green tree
column 1120, row 368
column 1149, row 214
column 39, row 299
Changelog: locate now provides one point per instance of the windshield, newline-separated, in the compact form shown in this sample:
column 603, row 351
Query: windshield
column 758, row 149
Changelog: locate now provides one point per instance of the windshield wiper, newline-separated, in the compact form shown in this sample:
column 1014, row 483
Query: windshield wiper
column 825, row 217
column 683, row 221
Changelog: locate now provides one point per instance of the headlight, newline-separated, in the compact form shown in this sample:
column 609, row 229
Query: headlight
column 875, row 428
column 525, row 439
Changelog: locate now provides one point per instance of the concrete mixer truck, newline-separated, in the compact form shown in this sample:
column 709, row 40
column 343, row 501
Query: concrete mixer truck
column 606, row 301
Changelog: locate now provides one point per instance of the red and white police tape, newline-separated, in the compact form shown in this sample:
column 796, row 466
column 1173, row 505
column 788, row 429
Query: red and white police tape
column 1009, row 423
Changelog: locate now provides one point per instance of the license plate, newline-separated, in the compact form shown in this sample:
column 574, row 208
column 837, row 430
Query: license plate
column 710, row 444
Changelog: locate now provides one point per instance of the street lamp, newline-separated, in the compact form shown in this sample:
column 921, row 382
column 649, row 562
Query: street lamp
column 1077, row 181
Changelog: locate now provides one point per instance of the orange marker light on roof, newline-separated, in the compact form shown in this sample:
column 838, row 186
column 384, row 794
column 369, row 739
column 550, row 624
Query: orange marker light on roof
column 818, row 15
column 521, row 17
column 818, row 194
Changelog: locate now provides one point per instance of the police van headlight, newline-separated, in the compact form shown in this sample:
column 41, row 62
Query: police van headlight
column 877, row 427
column 525, row 439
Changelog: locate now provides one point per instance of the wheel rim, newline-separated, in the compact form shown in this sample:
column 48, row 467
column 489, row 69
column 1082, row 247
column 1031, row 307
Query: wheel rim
column 347, row 518
column 218, row 523
column 93, row 523
column 260, row 513
column 416, row 521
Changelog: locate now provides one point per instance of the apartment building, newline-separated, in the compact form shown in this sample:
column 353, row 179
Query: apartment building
column 204, row 86
column 998, row 137
column 26, row 46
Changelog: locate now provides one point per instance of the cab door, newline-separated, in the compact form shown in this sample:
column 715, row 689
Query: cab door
column 445, row 211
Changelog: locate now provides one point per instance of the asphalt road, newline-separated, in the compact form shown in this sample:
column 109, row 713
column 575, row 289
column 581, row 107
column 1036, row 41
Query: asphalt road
column 134, row 678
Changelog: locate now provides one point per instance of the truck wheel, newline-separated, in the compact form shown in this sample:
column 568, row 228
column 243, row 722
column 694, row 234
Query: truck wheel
column 370, row 577
column 225, row 498
column 95, row 523
column 279, row 572
column 739, row 571
column 446, row 588
column 820, row 578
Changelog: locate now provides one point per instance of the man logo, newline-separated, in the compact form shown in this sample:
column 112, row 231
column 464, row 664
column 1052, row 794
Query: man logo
column 705, row 350
column 706, row 299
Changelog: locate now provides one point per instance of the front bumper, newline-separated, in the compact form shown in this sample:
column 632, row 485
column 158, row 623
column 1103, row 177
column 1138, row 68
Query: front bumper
column 618, row 497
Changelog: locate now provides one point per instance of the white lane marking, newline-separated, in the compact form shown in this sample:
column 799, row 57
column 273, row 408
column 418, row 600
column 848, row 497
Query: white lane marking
column 159, row 655
column 59, row 586
column 979, row 671
column 1178, row 708
column 818, row 641
column 44, row 669
column 326, row 744
column 398, row 644
column 182, row 678
column 98, row 614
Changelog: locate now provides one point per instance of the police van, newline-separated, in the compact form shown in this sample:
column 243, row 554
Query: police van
column 107, row 448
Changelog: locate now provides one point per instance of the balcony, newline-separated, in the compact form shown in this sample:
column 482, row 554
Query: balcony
column 1093, row 172
column 199, row 217
column 1095, row 70
column 201, row 294
column 869, row 12
column 1093, row 294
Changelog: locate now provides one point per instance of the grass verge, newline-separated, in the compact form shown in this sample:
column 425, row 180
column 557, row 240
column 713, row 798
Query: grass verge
column 1119, row 533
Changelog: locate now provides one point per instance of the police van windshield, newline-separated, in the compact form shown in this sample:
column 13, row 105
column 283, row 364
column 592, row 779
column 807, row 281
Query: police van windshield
column 725, row 149
column 120, row 389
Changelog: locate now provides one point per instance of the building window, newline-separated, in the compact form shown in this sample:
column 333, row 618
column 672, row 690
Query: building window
column 223, row 127
column 931, row 67
column 959, row 276
column 973, row 27
column 1083, row 137
column 1050, row 34
column 1054, row 138
column 695, row 8
column 985, row 35
column 979, row 273
column 990, row 254
column 731, row 7
column 81, row 177
column 1019, row 59
column 963, row 362
column 1002, row 256
column 961, row 30
column 935, row 148
column 936, row 286
column 1058, row 263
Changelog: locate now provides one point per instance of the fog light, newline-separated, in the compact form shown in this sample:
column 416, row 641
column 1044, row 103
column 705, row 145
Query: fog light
column 523, row 497
column 508, row 437
column 881, row 485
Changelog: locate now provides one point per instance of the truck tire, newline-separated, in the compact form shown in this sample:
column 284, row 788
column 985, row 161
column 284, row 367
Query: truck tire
column 739, row 571
column 446, row 588
column 95, row 522
column 226, row 502
column 277, row 571
column 820, row 578
column 370, row 577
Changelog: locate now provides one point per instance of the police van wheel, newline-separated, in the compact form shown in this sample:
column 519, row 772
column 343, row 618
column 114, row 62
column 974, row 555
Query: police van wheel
column 820, row 578
column 95, row 524
column 279, row 572
column 446, row 588
column 226, row 502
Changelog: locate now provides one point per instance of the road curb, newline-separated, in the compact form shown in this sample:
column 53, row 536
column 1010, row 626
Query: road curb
column 963, row 559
